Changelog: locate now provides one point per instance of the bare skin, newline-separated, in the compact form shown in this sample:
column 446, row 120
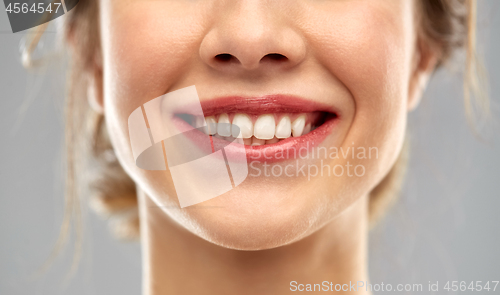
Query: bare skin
column 178, row 262
column 362, row 57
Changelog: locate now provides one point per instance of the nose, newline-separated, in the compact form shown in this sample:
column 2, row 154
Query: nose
column 248, row 36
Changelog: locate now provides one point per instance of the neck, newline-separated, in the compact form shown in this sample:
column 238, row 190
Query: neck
column 176, row 261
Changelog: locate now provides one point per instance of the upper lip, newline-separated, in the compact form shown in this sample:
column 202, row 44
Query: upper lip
column 273, row 103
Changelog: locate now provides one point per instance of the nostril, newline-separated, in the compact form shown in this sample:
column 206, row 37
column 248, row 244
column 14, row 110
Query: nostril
column 229, row 58
column 275, row 56
column 223, row 57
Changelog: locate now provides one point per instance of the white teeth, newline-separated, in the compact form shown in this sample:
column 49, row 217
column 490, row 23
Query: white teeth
column 224, row 126
column 245, row 125
column 307, row 129
column 265, row 127
column 256, row 141
column 264, row 131
column 211, row 125
column 284, row 128
column 235, row 131
column 298, row 125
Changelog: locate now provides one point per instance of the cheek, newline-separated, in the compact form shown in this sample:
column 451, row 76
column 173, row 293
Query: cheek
column 146, row 45
column 368, row 48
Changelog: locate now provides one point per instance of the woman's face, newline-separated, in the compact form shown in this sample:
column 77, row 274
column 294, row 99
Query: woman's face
column 348, row 65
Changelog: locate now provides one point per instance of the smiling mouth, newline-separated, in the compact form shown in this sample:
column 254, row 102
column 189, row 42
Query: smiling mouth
column 263, row 120
column 261, row 129
column 269, row 125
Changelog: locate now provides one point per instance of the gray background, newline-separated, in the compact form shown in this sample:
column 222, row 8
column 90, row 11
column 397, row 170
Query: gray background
column 445, row 227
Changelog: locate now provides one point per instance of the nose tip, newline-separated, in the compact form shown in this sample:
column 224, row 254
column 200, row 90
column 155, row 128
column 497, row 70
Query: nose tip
column 247, row 38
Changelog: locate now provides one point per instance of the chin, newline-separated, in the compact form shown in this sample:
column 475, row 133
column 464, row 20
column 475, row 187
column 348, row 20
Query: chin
column 256, row 219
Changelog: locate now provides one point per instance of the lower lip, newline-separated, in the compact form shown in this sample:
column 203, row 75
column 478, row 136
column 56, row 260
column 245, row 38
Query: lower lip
column 290, row 148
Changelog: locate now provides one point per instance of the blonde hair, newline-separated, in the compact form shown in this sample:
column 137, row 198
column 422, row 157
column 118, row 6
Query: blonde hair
column 449, row 24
